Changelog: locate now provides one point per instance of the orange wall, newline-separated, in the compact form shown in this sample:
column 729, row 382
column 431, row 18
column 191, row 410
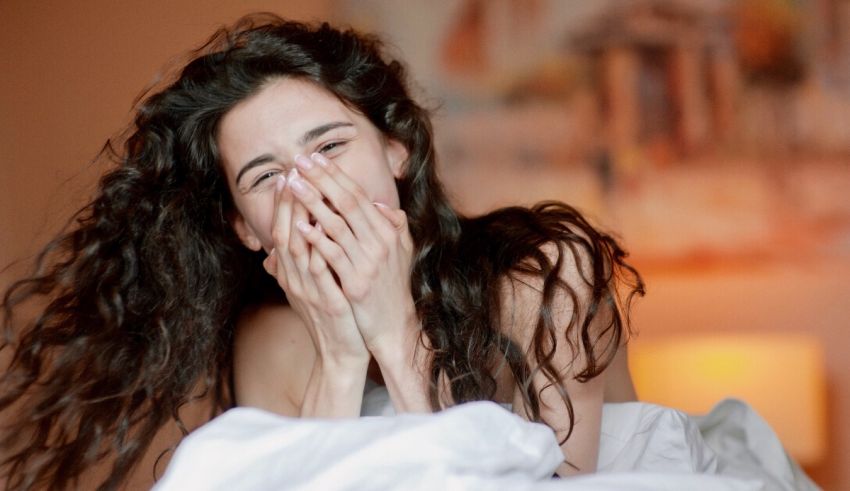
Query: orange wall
column 68, row 77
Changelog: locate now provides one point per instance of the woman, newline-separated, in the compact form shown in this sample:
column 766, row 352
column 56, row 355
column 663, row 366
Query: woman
column 273, row 228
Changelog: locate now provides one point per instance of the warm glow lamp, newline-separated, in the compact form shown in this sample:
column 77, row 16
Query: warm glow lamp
column 780, row 376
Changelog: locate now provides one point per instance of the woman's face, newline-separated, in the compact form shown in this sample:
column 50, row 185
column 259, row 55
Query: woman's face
column 259, row 138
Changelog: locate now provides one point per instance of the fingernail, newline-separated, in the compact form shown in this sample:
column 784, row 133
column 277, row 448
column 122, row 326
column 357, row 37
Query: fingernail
column 303, row 162
column 281, row 182
column 294, row 180
column 271, row 252
column 297, row 186
column 382, row 205
column 318, row 227
column 321, row 159
column 302, row 226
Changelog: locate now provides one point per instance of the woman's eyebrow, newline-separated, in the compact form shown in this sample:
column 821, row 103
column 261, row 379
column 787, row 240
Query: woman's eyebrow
column 262, row 159
column 305, row 139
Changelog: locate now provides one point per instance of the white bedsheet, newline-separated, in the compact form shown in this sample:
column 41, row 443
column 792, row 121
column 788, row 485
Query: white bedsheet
column 481, row 446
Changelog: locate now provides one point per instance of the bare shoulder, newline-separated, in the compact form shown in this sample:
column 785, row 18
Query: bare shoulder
column 523, row 298
column 273, row 357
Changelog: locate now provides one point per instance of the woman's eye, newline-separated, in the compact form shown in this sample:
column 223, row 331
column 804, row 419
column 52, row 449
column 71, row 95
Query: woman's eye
column 262, row 177
column 330, row 146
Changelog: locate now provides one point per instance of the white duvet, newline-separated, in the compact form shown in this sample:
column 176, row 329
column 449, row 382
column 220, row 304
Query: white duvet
column 482, row 446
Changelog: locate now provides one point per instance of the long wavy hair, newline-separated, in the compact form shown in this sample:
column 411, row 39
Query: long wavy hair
column 137, row 300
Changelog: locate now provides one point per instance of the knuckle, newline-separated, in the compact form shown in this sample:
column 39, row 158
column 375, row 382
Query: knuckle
column 315, row 267
column 356, row 291
column 335, row 254
column 295, row 251
column 313, row 235
column 359, row 195
column 347, row 203
column 337, row 227
column 387, row 236
column 337, row 308
column 293, row 291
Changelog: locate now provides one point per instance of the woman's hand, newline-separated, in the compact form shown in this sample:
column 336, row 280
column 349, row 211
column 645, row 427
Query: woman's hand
column 369, row 247
column 309, row 285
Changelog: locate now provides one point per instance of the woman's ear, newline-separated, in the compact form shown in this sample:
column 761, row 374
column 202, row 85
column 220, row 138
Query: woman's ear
column 397, row 156
column 246, row 234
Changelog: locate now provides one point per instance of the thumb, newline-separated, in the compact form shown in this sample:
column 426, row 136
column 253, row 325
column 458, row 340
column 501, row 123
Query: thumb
column 270, row 263
column 397, row 217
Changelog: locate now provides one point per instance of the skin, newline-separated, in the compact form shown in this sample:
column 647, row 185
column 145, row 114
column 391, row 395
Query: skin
column 337, row 215
column 346, row 187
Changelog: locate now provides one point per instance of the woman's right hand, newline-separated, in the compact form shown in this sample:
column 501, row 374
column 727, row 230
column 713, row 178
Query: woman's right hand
column 310, row 287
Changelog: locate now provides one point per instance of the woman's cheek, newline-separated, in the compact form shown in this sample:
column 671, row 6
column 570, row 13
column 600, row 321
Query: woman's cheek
column 267, row 243
column 389, row 194
column 378, row 184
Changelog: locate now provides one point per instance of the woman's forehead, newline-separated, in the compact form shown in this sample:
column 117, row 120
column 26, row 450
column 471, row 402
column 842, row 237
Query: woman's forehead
column 287, row 103
column 281, row 112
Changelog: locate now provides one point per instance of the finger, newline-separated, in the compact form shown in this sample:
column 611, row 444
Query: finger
column 282, row 214
column 330, row 252
column 326, row 286
column 281, row 230
column 345, row 195
column 343, row 179
column 333, row 224
column 270, row 263
column 397, row 217
column 297, row 243
column 398, row 220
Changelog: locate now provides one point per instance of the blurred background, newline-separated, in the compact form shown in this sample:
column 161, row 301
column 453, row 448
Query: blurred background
column 711, row 136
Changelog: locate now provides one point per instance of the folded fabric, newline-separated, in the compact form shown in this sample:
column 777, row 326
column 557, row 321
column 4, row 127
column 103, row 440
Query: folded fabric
column 250, row 449
column 481, row 446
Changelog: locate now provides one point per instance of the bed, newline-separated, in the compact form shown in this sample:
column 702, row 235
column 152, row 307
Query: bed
column 481, row 446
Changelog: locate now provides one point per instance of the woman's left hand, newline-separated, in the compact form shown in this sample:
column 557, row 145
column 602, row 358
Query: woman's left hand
column 368, row 245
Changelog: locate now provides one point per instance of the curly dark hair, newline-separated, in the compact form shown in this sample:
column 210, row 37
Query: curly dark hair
column 136, row 301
